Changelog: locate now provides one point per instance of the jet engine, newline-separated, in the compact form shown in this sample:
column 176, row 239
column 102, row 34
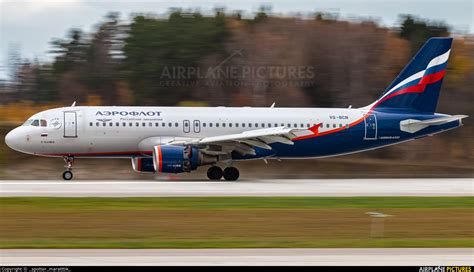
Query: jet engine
column 178, row 159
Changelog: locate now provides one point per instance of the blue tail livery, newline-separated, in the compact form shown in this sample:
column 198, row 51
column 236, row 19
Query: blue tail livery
column 417, row 87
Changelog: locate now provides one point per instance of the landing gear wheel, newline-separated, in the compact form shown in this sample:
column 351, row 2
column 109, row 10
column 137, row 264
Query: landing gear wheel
column 231, row 173
column 67, row 175
column 214, row 173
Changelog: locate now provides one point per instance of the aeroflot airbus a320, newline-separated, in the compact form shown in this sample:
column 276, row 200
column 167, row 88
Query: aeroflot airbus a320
column 181, row 139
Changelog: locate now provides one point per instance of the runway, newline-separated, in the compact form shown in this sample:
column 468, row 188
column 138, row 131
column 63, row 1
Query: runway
column 248, row 257
column 288, row 187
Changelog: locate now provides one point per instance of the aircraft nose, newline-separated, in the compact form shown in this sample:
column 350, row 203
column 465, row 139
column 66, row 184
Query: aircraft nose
column 12, row 139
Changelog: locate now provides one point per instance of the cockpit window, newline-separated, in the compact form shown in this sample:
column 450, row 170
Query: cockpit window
column 28, row 122
column 36, row 123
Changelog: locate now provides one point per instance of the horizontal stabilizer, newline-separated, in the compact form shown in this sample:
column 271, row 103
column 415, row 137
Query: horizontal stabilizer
column 413, row 125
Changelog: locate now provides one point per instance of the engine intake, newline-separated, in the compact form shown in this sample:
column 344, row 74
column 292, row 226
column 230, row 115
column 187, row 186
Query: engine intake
column 178, row 159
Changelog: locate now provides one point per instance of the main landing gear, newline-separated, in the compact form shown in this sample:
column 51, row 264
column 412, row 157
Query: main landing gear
column 67, row 175
column 229, row 173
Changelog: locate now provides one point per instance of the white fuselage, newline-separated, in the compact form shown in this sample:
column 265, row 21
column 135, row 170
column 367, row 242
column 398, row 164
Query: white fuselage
column 98, row 131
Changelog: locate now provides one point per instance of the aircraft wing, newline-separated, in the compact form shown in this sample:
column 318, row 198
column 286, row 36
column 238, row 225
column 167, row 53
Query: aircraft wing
column 245, row 142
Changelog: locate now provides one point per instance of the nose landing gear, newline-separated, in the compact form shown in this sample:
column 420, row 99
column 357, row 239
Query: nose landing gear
column 67, row 175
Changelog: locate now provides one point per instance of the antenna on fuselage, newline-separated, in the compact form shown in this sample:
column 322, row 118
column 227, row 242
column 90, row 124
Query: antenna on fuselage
column 73, row 104
column 273, row 105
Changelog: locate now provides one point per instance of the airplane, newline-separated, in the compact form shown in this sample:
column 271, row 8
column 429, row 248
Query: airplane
column 181, row 139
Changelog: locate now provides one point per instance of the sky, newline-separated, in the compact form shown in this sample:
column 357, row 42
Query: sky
column 29, row 26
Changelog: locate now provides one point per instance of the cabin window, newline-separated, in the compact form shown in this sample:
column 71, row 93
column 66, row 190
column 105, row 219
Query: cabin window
column 176, row 124
column 243, row 124
column 327, row 125
column 321, row 125
column 170, row 125
column 90, row 124
column 124, row 124
column 97, row 124
column 263, row 125
column 130, row 124
column 157, row 124
column 230, row 124
column 137, row 124
column 104, row 124
column 250, row 124
column 236, row 124
column 333, row 125
column 210, row 124
column 43, row 123
column 269, row 125
column 203, row 124
column 223, row 124
column 256, row 124
column 150, row 124
column 217, row 124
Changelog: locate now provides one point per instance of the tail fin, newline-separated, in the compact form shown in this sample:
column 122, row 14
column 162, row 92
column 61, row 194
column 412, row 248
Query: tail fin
column 418, row 86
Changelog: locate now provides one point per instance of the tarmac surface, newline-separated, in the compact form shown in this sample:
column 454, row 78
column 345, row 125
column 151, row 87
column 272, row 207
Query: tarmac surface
column 287, row 187
column 277, row 257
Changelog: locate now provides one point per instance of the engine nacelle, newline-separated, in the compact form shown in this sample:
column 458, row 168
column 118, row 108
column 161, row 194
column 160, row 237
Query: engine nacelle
column 143, row 165
column 178, row 159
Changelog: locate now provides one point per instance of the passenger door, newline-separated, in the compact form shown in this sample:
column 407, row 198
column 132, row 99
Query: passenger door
column 70, row 124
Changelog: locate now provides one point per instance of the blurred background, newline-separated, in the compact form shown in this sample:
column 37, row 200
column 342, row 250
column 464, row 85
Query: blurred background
column 179, row 54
